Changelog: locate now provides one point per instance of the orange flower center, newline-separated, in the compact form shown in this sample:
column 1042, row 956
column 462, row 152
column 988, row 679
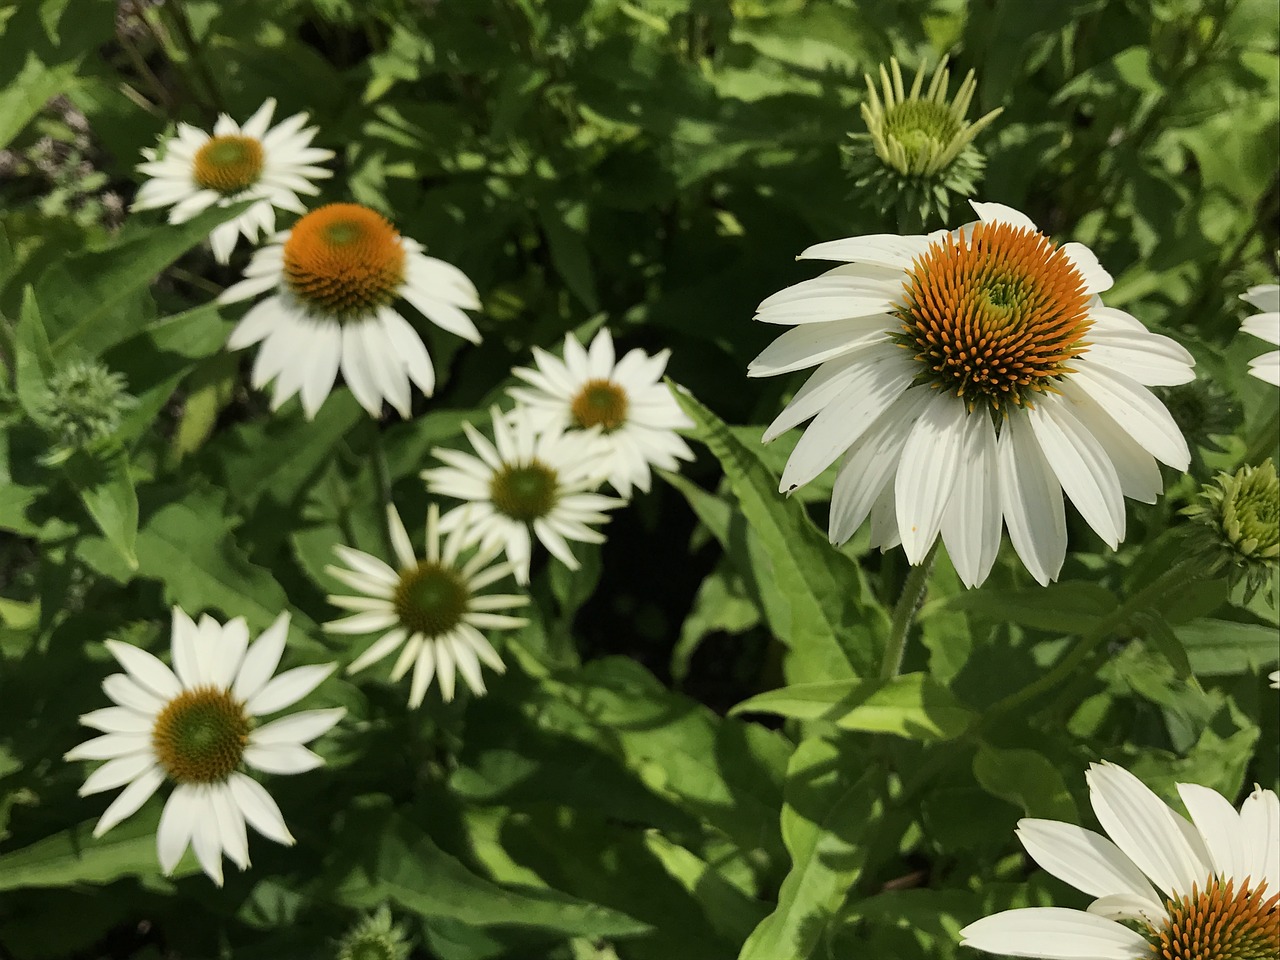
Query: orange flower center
column 228, row 164
column 344, row 260
column 200, row 735
column 995, row 316
column 600, row 403
column 1221, row 924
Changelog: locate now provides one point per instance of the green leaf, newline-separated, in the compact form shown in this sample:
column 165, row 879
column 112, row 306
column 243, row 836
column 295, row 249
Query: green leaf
column 73, row 856
column 33, row 359
column 813, row 596
column 565, row 226
column 105, row 486
column 385, row 857
column 1027, row 779
column 825, row 822
column 88, row 291
column 913, row 705
column 1225, row 647
column 1070, row 606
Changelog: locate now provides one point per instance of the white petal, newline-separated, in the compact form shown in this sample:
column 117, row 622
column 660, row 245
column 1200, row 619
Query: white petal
column 1088, row 861
column 400, row 540
column 206, row 838
column 262, row 320
column 1081, row 466
column 1264, row 326
column 927, row 472
column 324, row 359
column 288, row 688
column 281, row 758
column 118, row 720
column 230, row 821
column 261, row 660
column 1136, row 410
column 972, row 524
column 1265, row 297
column 369, row 621
column 130, row 799
column 382, row 648
column 367, row 564
column 146, row 669
column 1054, row 933
column 1136, row 469
column 300, row 727
column 1146, row 358
column 424, row 669
column 184, row 638
column 816, row 343
column 127, row 692
column 1146, row 830
column 1260, row 820
column 999, row 213
column 1230, row 848
column 1031, row 500
column 229, row 654
column 1096, row 279
column 410, row 349
column 259, row 809
column 358, row 370
column 886, row 249
column 110, row 746
column 177, row 823
column 116, row 773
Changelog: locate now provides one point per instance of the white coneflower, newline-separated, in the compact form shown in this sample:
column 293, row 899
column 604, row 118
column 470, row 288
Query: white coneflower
column 335, row 276
column 626, row 400
column 434, row 607
column 526, row 483
column 196, row 725
column 972, row 377
column 194, row 171
column 1264, row 326
column 1164, row 887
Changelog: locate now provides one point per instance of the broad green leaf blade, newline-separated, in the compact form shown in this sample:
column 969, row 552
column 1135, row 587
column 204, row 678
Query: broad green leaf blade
column 814, row 597
column 1225, row 647
column 913, row 705
column 1025, row 778
column 825, row 822
column 106, row 488
column 1070, row 606
column 87, row 292
column 33, row 360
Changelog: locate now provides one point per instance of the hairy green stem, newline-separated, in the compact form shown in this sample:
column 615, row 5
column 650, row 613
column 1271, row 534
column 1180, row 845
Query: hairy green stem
column 1176, row 576
column 904, row 614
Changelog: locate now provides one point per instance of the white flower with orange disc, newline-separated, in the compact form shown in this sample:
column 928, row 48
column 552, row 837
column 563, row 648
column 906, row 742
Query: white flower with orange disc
column 1264, row 326
column 193, row 171
column 433, row 610
column 625, row 399
column 196, row 726
column 333, row 280
column 1204, row 889
column 967, row 379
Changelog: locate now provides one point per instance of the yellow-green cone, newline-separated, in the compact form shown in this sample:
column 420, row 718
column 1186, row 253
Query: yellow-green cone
column 1239, row 525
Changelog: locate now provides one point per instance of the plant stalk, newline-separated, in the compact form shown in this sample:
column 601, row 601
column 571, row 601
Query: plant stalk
column 904, row 614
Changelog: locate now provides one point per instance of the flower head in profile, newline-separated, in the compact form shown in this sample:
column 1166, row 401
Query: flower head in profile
column 432, row 609
column 528, row 482
column 375, row 937
column 334, row 279
column 1238, row 525
column 626, row 400
column 196, row 726
column 1208, row 889
column 918, row 149
column 966, row 380
column 1264, row 326
column 194, row 171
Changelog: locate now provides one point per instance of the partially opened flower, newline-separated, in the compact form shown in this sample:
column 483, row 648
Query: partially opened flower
column 432, row 609
column 1265, row 326
column 333, row 281
column 970, row 378
column 527, row 483
column 626, row 400
column 1237, row 529
column 196, row 726
column 194, row 171
column 1208, row 889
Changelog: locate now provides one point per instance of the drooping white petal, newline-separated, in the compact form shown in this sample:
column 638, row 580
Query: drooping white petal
column 132, row 797
column 927, row 472
column 259, row 810
column 177, row 823
column 1088, row 861
column 972, row 522
column 1031, row 501
column 116, row 773
column 1054, row 933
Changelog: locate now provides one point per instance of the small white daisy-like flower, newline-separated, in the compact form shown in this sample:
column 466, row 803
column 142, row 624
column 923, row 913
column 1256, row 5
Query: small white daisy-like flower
column 434, row 607
column 196, row 726
column 1275, row 679
column 527, row 483
column 334, row 278
column 970, row 378
column 194, row 171
column 627, row 401
column 1208, row 889
column 1264, row 326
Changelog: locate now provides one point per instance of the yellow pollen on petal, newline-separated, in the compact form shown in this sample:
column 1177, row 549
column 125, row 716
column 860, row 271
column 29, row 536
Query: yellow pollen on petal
column 228, row 164
column 1223, row 923
column 200, row 735
column 344, row 261
column 994, row 316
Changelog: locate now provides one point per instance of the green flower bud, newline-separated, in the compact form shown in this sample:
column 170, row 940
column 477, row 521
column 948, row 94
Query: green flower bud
column 1240, row 525
column 85, row 403
column 375, row 937
column 918, row 149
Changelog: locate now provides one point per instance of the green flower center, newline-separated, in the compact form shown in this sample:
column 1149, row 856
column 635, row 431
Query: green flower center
column 994, row 316
column 923, row 128
column 1222, row 923
column 600, row 403
column 228, row 164
column 200, row 735
column 431, row 599
column 524, row 492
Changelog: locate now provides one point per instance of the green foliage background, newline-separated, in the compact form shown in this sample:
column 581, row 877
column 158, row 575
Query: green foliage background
column 654, row 165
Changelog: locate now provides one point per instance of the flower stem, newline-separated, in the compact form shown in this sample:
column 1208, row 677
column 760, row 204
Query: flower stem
column 1264, row 441
column 904, row 614
column 382, row 474
column 1178, row 575
column 194, row 54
